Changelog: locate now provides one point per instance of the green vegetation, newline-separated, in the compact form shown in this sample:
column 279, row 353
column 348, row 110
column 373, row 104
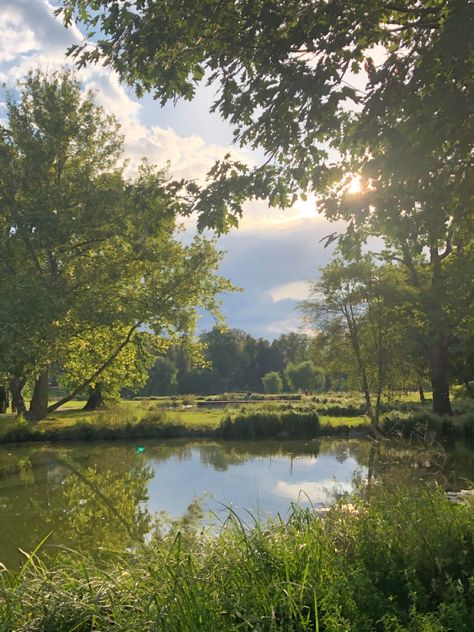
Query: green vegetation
column 332, row 414
column 370, row 111
column 91, row 296
column 304, row 376
column 272, row 382
column 394, row 559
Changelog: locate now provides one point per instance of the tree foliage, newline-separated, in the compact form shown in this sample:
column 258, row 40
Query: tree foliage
column 304, row 376
column 89, row 255
column 329, row 90
column 272, row 382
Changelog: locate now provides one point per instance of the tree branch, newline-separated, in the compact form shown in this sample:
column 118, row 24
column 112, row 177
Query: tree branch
column 98, row 372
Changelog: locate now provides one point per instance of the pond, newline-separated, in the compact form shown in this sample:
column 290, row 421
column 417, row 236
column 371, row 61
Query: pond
column 93, row 497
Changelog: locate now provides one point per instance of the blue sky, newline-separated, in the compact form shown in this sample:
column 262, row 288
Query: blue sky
column 273, row 253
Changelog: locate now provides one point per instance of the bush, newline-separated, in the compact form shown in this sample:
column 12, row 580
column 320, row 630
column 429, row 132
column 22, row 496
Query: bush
column 305, row 376
column 272, row 382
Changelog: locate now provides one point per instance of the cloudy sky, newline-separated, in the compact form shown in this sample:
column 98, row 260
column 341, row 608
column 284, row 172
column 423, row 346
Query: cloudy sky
column 273, row 253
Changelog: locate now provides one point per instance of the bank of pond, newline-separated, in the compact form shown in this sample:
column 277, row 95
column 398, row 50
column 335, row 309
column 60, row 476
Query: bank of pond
column 166, row 419
column 330, row 534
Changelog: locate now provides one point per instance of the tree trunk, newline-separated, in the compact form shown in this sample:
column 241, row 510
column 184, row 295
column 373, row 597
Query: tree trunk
column 421, row 391
column 39, row 401
column 439, row 354
column 3, row 399
column 96, row 399
column 18, row 403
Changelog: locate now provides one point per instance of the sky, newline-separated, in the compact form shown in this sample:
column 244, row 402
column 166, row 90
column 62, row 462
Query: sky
column 271, row 256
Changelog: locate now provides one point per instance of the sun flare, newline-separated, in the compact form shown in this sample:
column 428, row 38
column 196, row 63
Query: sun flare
column 354, row 185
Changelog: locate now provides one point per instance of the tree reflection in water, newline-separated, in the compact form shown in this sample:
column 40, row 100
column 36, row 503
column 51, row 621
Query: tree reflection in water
column 94, row 497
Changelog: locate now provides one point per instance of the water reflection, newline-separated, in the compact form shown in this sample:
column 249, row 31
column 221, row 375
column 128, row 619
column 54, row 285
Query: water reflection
column 102, row 496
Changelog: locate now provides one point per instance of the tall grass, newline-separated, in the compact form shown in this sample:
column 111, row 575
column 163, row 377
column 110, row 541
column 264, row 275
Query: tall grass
column 270, row 421
column 402, row 562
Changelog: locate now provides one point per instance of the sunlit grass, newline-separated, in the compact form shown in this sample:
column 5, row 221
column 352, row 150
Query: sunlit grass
column 334, row 422
column 399, row 560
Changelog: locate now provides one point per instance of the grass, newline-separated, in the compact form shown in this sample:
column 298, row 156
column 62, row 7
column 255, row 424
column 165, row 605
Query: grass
column 163, row 418
column 401, row 560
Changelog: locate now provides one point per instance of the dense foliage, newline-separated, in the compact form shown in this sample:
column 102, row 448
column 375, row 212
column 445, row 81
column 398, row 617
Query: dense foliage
column 229, row 360
column 93, row 274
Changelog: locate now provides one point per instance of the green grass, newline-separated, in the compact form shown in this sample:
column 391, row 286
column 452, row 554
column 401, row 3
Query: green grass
column 401, row 560
column 164, row 417
column 327, row 421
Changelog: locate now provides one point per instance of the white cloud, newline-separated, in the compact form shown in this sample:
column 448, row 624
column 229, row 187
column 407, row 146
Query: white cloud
column 15, row 39
column 295, row 290
column 316, row 492
column 32, row 37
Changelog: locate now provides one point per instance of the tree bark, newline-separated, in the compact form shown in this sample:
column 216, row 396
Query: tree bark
column 439, row 356
column 39, row 401
column 96, row 399
column 421, row 391
column 96, row 374
column 18, row 403
column 3, row 399
column 438, row 336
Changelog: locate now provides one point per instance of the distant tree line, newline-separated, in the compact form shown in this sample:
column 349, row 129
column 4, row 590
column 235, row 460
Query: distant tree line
column 233, row 360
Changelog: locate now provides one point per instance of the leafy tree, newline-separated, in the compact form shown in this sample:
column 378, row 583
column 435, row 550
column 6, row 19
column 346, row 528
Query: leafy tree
column 162, row 378
column 293, row 347
column 263, row 357
column 92, row 350
column 70, row 272
column 359, row 307
column 285, row 75
column 272, row 382
column 202, row 380
column 224, row 351
column 304, row 376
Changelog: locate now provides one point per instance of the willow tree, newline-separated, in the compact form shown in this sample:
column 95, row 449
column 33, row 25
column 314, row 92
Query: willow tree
column 86, row 248
column 387, row 86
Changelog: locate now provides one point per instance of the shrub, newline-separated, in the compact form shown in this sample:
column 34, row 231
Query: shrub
column 272, row 382
column 305, row 376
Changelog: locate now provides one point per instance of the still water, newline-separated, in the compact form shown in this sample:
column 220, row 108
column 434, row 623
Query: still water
column 94, row 497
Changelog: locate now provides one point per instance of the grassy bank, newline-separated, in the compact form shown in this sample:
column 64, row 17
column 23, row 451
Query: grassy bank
column 401, row 562
column 310, row 417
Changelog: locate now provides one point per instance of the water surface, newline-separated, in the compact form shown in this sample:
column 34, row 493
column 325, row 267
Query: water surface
column 109, row 496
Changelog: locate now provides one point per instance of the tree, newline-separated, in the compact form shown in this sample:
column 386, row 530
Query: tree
column 272, row 382
column 162, row 378
column 224, row 351
column 359, row 307
column 71, row 273
column 91, row 350
column 285, row 75
column 293, row 347
column 304, row 376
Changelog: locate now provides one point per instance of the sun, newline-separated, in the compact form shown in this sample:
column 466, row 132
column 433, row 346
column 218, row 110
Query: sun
column 354, row 185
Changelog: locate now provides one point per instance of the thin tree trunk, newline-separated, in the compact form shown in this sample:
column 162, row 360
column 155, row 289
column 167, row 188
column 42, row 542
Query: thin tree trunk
column 354, row 337
column 96, row 399
column 439, row 354
column 421, row 391
column 18, row 403
column 3, row 399
column 439, row 336
column 39, row 401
